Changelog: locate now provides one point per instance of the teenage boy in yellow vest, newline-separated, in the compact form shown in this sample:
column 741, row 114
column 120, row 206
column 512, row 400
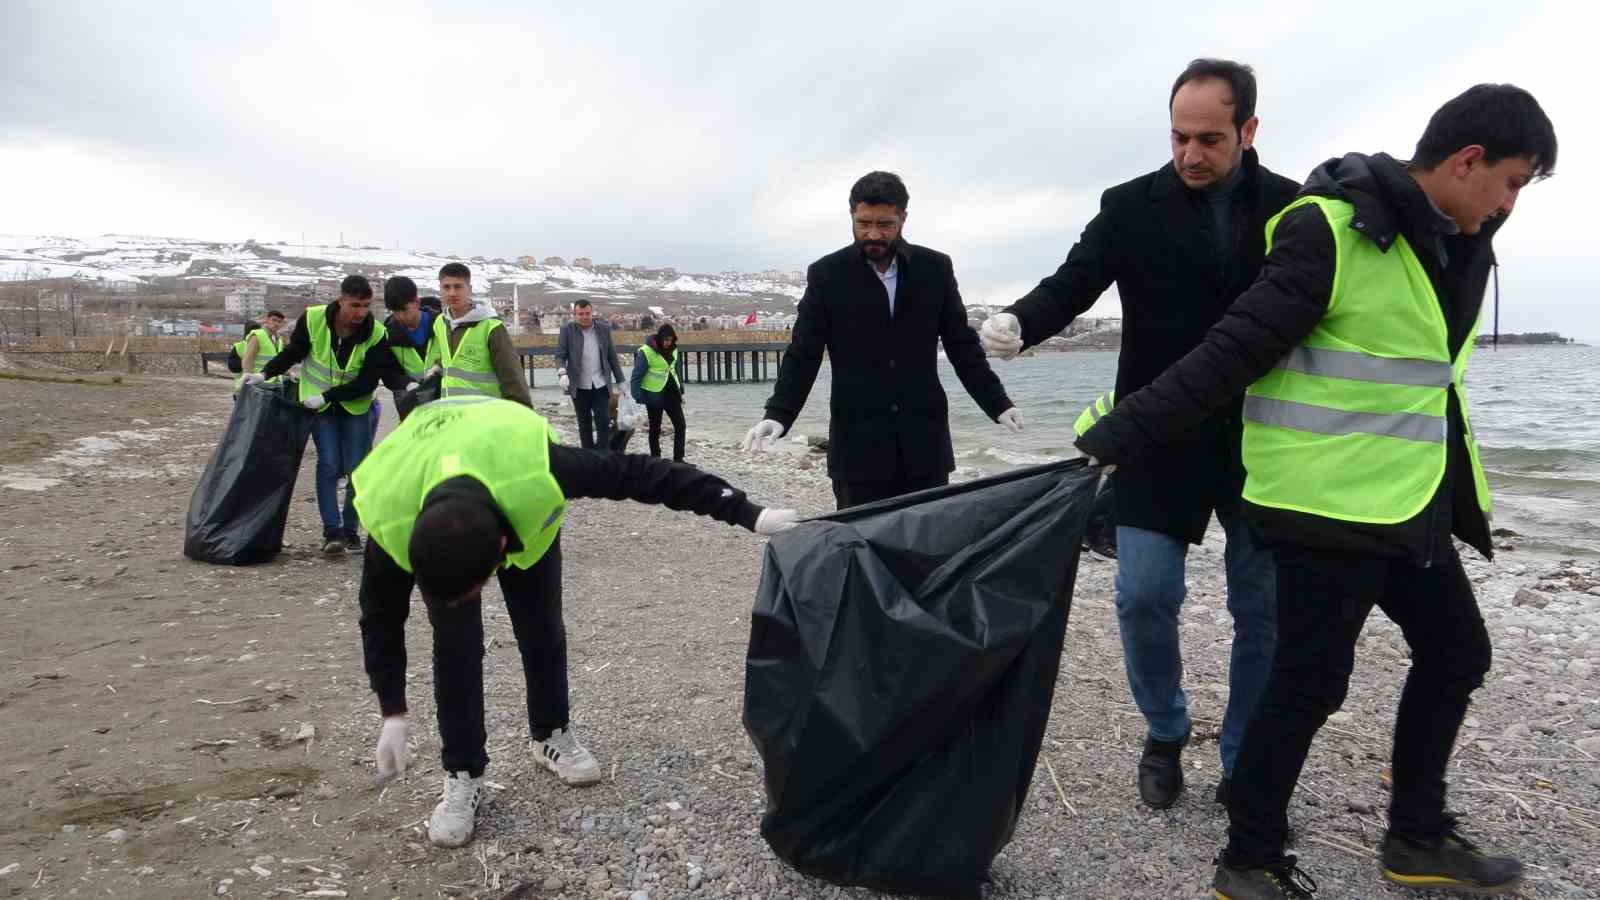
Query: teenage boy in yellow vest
column 343, row 356
column 470, row 345
column 466, row 488
column 1361, row 466
column 655, row 383
column 259, row 345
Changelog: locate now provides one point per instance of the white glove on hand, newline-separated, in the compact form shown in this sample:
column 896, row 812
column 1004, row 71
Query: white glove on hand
column 763, row 435
column 1104, row 469
column 393, row 755
column 314, row 402
column 413, row 386
column 566, row 383
column 772, row 521
column 436, row 370
column 1001, row 335
column 252, row 378
column 1012, row 420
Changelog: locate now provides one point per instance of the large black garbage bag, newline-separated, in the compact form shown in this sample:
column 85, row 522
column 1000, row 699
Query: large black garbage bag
column 903, row 658
column 239, row 508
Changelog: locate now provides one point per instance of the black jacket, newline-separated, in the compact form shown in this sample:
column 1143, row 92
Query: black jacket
column 1155, row 239
column 1280, row 310
column 379, row 363
column 888, row 415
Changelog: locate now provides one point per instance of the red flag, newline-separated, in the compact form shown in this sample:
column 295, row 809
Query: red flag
column 750, row 319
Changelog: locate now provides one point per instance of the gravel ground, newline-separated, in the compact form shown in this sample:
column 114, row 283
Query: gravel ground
column 180, row 730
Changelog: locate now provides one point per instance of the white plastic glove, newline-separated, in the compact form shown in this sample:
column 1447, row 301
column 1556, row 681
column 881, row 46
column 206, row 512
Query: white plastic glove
column 772, row 521
column 763, row 435
column 1012, row 420
column 314, row 402
column 252, row 378
column 436, row 370
column 566, row 383
column 1104, row 469
column 413, row 386
column 1001, row 335
column 393, row 755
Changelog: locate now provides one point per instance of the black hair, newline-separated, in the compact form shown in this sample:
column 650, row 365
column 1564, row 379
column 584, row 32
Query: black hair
column 1241, row 81
column 455, row 270
column 399, row 292
column 273, row 312
column 664, row 332
column 880, row 189
column 582, row 303
column 356, row 287
column 1503, row 119
column 249, row 327
column 455, row 544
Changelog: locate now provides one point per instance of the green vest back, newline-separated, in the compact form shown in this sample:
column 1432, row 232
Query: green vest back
column 1092, row 413
column 661, row 369
column 469, row 370
column 503, row 445
column 320, row 371
column 1351, row 424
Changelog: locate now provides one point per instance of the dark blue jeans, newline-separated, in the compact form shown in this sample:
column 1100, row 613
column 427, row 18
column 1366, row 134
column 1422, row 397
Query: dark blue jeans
column 1150, row 592
column 342, row 442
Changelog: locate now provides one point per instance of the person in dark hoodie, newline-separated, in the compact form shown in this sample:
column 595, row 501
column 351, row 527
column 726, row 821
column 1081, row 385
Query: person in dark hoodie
column 344, row 356
column 409, row 325
column 1361, row 464
column 471, row 347
column 655, row 383
column 468, row 488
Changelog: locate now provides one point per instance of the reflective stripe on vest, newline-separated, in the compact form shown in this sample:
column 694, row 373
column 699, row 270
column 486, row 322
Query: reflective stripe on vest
column 661, row 370
column 469, row 369
column 1353, row 424
column 1092, row 413
column 320, row 370
column 503, row 445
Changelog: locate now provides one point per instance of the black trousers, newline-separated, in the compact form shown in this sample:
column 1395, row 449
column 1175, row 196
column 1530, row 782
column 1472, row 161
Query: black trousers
column 669, row 401
column 1323, row 602
column 532, row 597
column 593, row 407
column 858, row 493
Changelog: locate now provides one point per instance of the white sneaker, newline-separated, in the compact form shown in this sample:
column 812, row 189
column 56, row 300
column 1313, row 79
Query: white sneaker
column 456, row 815
column 562, row 754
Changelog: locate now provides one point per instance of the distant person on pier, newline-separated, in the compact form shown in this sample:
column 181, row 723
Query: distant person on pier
column 656, row 384
column 879, row 309
column 589, row 372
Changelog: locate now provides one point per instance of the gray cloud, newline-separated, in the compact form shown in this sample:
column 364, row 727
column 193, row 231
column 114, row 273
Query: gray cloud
column 724, row 135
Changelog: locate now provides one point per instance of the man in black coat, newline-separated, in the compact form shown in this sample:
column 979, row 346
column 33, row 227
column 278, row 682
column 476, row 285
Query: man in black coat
column 880, row 308
column 1180, row 243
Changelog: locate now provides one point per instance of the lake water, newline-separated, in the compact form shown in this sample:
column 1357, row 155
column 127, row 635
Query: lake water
column 1536, row 411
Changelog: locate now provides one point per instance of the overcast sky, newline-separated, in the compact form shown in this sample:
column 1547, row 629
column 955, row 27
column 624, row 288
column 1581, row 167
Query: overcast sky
column 726, row 135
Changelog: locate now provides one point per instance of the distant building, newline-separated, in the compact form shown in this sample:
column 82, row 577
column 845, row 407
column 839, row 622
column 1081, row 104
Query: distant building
column 527, row 262
column 554, row 261
column 175, row 327
column 609, row 268
column 583, row 262
column 249, row 304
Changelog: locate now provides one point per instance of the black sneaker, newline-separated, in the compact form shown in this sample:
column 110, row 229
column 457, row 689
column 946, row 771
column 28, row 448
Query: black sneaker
column 1454, row 865
column 1161, row 771
column 352, row 541
column 333, row 544
column 1281, row 881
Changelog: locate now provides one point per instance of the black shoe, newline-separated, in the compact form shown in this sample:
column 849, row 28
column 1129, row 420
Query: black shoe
column 1161, row 771
column 352, row 541
column 1102, row 547
column 333, row 544
column 1453, row 865
column 1280, row 881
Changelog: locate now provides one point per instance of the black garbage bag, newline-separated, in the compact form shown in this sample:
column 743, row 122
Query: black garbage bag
column 237, row 514
column 426, row 391
column 902, row 662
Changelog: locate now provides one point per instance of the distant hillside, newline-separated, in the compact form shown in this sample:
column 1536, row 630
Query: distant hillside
column 1529, row 337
